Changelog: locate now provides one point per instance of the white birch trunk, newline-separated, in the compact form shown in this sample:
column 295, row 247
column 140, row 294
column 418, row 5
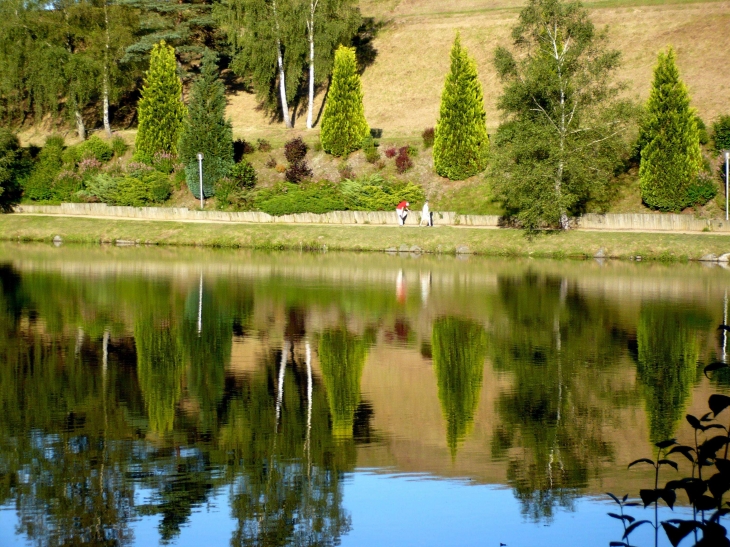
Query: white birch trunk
column 282, row 76
column 310, row 31
column 105, row 90
column 80, row 127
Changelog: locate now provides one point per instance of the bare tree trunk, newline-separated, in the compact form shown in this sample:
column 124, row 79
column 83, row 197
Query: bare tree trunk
column 310, row 32
column 80, row 127
column 105, row 90
column 282, row 77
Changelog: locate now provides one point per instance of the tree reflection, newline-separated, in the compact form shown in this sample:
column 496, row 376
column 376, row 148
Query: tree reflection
column 553, row 343
column 667, row 352
column 458, row 347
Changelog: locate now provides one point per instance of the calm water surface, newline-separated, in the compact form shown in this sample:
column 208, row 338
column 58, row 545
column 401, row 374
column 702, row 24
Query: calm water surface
column 155, row 396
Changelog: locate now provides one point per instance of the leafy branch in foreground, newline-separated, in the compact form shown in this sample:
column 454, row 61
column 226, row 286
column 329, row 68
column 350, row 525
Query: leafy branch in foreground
column 705, row 488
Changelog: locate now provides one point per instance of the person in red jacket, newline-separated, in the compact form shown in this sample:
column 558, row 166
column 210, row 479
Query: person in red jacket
column 402, row 211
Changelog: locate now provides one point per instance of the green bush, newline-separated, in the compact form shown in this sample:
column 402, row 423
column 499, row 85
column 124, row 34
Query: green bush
column 56, row 141
column 160, row 187
column 377, row 194
column 104, row 187
column 164, row 162
column 370, row 148
column 229, row 193
column 702, row 130
column 11, row 169
column 95, row 148
column 154, row 187
column 721, row 133
column 66, row 186
column 243, row 175
column 39, row 185
column 287, row 198
column 119, row 147
column 701, row 191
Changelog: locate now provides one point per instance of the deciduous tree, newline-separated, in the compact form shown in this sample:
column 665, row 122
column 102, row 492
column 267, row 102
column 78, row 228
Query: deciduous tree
column 565, row 130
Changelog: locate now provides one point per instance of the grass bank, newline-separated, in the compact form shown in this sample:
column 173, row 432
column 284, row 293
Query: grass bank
column 441, row 239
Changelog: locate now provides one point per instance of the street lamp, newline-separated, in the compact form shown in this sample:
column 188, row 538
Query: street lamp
column 727, row 175
column 200, row 170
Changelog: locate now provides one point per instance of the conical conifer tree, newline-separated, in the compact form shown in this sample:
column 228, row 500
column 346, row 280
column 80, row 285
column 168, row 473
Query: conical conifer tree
column 343, row 122
column 671, row 158
column 160, row 110
column 461, row 144
column 206, row 130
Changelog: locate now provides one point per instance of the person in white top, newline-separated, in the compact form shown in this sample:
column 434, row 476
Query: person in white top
column 426, row 215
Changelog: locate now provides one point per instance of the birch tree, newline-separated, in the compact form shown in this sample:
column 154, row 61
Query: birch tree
column 564, row 129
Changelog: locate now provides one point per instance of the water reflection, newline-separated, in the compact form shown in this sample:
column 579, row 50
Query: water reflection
column 145, row 392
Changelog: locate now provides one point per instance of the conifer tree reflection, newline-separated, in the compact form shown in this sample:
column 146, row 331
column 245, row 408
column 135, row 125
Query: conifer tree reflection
column 553, row 346
column 459, row 347
column 667, row 351
column 342, row 358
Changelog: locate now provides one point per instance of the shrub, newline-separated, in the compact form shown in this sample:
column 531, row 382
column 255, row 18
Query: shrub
column 160, row 110
column 280, row 168
column 89, row 166
column 119, row 147
column 391, row 152
column 95, row 148
column 412, row 151
column 297, row 172
column 103, row 187
column 164, row 162
column 403, row 161
column 71, row 156
column 721, row 133
column 295, row 150
column 374, row 193
column 214, row 169
column 263, row 145
column 702, row 191
column 39, row 185
column 343, row 126
column 55, row 140
column 229, row 193
column 241, row 147
column 286, row 199
column 370, row 148
column 243, row 175
column 702, row 130
column 67, row 185
column 346, row 171
column 159, row 186
column 271, row 162
column 11, row 169
column 428, row 137
column 138, row 170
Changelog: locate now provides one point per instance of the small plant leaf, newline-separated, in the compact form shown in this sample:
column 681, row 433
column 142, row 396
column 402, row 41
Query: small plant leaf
column 710, row 446
column 626, row 496
column 642, row 460
column 713, row 367
column 628, row 518
column 675, row 534
column 723, row 465
column 614, row 498
column 618, row 544
column 670, row 463
column 686, row 451
column 669, row 496
column 723, row 327
column 707, row 417
column 705, row 503
column 694, row 422
column 717, row 402
column 719, row 483
column 649, row 496
column 634, row 526
column 666, row 444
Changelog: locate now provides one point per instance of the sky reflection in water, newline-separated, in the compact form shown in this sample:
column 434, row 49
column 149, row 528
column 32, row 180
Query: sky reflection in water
column 252, row 399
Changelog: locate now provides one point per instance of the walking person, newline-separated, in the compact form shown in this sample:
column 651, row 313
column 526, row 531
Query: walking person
column 402, row 211
column 426, row 215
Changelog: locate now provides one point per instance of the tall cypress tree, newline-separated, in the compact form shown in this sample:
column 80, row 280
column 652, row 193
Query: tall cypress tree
column 461, row 144
column 206, row 130
column 671, row 158
column 161, row 110
column 343, row 121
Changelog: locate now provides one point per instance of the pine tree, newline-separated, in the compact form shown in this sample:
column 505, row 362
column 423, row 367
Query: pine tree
column 671, row 159
column 461, row 144
column 206, row 130
column 343, row 121
column 161, row 110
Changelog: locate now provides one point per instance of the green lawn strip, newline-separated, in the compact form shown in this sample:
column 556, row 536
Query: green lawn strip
column 444, row 239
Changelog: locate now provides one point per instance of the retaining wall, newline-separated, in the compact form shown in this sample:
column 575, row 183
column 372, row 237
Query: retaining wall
column 610, row 222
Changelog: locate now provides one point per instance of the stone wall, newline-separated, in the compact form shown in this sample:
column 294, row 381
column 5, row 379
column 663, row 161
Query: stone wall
column 610, row 222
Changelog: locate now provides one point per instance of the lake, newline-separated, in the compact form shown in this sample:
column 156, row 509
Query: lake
column 198, row 397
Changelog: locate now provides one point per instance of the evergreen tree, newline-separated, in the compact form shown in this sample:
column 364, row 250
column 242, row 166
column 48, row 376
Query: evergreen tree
column 206, row 130
column 671, row 158
column 161, row 110
column 461, row 144
column 343, row 121
column 10, row 169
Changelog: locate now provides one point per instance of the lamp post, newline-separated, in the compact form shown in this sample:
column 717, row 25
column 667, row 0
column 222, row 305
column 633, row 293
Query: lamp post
column 727, row 177
column 200, row 170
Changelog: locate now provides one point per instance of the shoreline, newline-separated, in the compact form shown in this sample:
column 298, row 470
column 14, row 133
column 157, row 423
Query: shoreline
column 454, row 240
